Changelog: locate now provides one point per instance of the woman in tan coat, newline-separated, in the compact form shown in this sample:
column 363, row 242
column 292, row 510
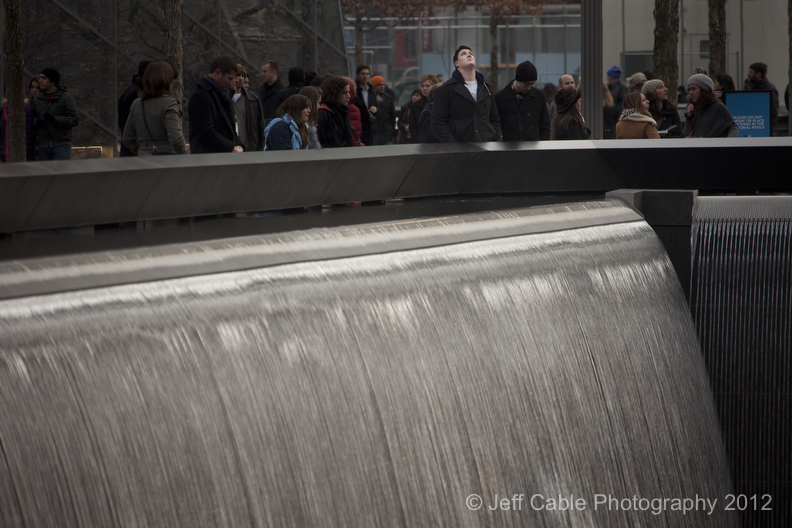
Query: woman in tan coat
column 636, row 122
column 159, row 130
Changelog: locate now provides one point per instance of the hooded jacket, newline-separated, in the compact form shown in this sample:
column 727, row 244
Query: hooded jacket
column 384, row 121
column 456, row 117
column 211, row 112
column 523, row 117
column 62, row 106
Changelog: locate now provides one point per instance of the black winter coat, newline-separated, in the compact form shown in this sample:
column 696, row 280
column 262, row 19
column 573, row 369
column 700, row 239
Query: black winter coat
column 416, row 109
column 63, row 107
column 333, row 126
column 667, row 118
column 367, row 132
column 212, row 127
column 523, row 117
column 384, row 121
column 293, row 89
column 268, row 96
column 427, row 134
column 456, row 117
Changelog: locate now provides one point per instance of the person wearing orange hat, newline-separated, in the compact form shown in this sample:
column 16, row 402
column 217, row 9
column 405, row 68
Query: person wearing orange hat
column 383, row 113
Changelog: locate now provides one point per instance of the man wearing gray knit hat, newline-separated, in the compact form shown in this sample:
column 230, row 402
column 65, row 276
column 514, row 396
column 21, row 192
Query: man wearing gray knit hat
column 709, row 117
column 702, row 81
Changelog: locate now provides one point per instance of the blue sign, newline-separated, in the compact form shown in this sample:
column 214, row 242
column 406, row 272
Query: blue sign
column 751, row 112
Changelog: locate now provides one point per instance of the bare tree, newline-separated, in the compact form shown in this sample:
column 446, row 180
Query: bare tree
column 717, row 37
column 368, row 15
column 500, row 11
column 16, row 82
column 666, row 35
column 174, row 49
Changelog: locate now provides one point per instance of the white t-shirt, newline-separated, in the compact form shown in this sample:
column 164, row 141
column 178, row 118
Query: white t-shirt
column 473, row 87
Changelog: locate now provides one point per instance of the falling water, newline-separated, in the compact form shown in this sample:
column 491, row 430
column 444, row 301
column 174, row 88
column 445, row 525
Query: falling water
column 383, row 389
column 741, row 297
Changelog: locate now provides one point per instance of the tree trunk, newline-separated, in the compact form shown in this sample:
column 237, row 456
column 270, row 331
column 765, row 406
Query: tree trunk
column 173, row 44
column 717, row 37
column 359, row 30
column 15, row 127
column 666, row 36
column 493, row 30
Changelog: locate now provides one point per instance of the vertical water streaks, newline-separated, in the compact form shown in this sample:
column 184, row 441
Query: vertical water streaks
column 375, row 390
column 742, row 306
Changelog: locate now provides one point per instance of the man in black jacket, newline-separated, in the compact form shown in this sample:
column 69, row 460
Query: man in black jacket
column 464, row 106
column 211, row 111
column 126, row 100
column 521, row 107
column 56, row 116
column 296, row 83
column 250, row 119
column 269, row 90
column 757, row 80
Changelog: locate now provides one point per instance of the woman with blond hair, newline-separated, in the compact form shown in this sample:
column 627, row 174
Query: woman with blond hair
column 154, row 124
column 636, row 122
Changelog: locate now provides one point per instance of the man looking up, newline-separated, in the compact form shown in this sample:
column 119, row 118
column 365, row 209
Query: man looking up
column 269, row 90
column 464, row 106
column 211, row 111
column 521, row 106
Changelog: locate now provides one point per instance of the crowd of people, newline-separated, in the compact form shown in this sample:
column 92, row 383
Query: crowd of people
column 327, row 111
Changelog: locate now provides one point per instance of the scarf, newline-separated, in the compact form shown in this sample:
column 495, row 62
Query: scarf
column 631, row 114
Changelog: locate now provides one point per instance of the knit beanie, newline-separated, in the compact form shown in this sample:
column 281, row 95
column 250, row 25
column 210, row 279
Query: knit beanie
column 566, row 99
column 51, row 74
column 376, row 80
column 526, row 72
column 615, row 72
column 649, row 88
column 702, row 81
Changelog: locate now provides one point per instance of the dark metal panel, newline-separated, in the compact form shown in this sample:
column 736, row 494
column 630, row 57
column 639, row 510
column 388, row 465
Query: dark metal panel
column 91, row 192
column 440, row 169
column 130, row 189
column 375, row 176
